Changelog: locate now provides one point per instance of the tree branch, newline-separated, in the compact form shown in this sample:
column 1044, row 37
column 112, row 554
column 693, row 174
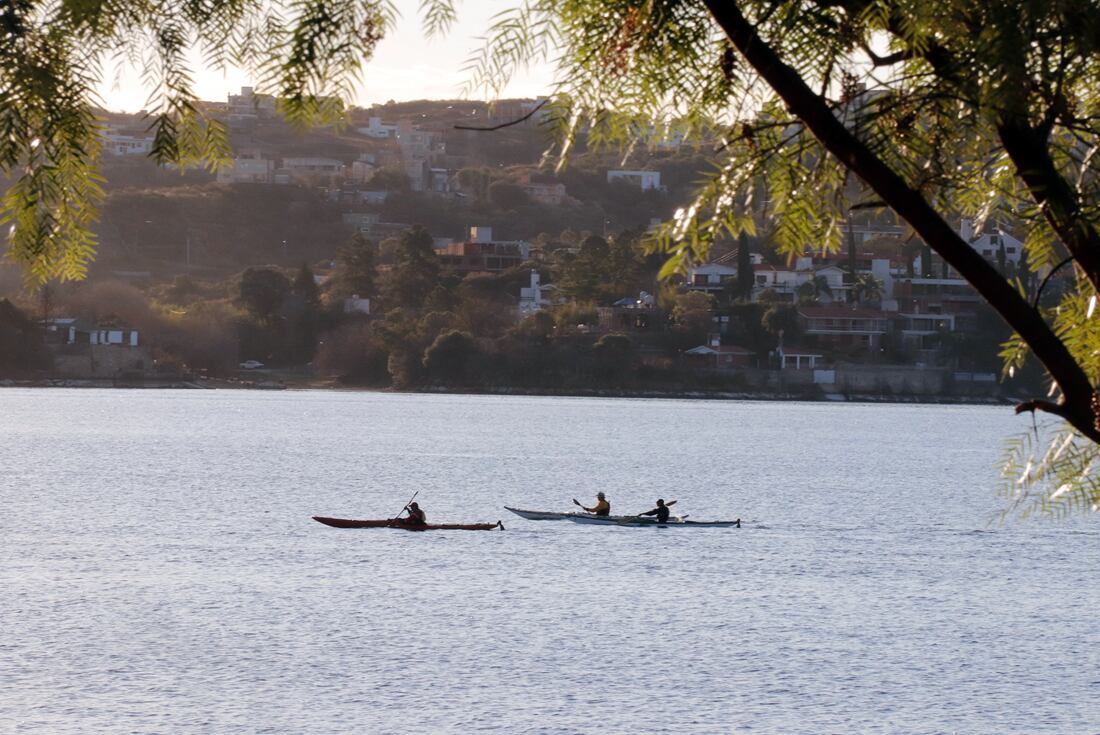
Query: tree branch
column 1050, row 407
column 1027, row 147
column 510, row 123
column 1076, row 388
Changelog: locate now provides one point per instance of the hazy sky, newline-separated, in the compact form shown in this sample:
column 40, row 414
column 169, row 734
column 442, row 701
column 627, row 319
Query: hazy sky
column 406, row 66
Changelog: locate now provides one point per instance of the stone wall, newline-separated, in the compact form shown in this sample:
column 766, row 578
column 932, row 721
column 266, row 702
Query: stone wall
column 101, row 361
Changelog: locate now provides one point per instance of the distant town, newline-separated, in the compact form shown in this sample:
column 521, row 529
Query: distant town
column 426, row 246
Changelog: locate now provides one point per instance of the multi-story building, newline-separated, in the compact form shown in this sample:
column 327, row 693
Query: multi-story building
column 116, row 143
column 248, row 107
column 375, row 128
column 845, row 328
column 482, row 254
column 710, row 277
column 312, row 169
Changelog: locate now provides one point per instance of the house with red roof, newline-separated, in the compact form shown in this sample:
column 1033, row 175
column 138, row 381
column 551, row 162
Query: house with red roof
column 715, row 355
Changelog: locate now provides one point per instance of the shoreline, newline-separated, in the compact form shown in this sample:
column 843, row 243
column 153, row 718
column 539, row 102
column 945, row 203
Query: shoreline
column 332, row 385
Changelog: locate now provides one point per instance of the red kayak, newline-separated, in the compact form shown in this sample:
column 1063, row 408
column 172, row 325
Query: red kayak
column 399, row 523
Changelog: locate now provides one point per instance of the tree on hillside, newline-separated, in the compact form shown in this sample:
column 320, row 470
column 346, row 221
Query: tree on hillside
column 693, row 316
column 415, row 272
column 389, row 179
column 781, row 320
column 21, row 345
column 583, row 276
column 303, row 311
column 262, row 293
column 507, row 195
column 475, row 183
column 866, row 287
column 613, row 354
column 626, row 270
column 814, row 291
column 450, row 357
column 98, row 301
column 305, row 289
column 356, row 269
column 354, row 353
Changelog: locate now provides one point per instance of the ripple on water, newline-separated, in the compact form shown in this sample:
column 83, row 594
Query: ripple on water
column 164, row 575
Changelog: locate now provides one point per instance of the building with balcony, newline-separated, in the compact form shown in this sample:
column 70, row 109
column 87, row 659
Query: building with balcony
column 482, row 254
column 844, row 328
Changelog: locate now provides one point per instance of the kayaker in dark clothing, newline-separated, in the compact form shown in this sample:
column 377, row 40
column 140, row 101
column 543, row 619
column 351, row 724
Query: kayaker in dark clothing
column 416, row 516
column 601, row 508
column 661, row 511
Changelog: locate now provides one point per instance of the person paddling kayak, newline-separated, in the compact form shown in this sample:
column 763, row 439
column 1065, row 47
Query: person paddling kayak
column 661, row 511
column 601, row 508
column 416, row 516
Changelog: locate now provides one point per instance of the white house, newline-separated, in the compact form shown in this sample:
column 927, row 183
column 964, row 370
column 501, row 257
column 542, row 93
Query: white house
column 710, row 277
column 794, row 358
column 78, row 332
column 118, row 144
column 355, row 305
column 644, row 180
column 375, row 128
column 988, row 244
column 531, row 299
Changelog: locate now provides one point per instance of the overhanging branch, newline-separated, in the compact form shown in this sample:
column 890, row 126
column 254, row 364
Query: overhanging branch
column 510, row 123
column 813, row 110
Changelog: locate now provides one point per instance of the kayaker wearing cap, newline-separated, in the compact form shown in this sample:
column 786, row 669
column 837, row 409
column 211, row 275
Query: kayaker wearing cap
column 601, row 508
column 416, row 516
column 661, row 511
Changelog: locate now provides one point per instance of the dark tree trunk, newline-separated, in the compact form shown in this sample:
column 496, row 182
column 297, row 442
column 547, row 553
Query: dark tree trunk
column 745, row 274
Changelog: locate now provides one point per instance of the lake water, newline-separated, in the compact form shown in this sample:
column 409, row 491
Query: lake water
column 161, row 573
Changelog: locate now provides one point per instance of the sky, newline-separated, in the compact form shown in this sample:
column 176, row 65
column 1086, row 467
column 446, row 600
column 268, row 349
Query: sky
column 406, row 65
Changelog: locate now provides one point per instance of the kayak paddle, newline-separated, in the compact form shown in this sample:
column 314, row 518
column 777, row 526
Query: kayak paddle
column 406, row 506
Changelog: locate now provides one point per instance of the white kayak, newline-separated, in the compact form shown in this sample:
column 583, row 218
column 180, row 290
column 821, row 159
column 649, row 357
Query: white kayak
column 590, row 518
column 546, row 515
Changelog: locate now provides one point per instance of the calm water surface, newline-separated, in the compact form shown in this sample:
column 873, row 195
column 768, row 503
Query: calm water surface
column 161, row 574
